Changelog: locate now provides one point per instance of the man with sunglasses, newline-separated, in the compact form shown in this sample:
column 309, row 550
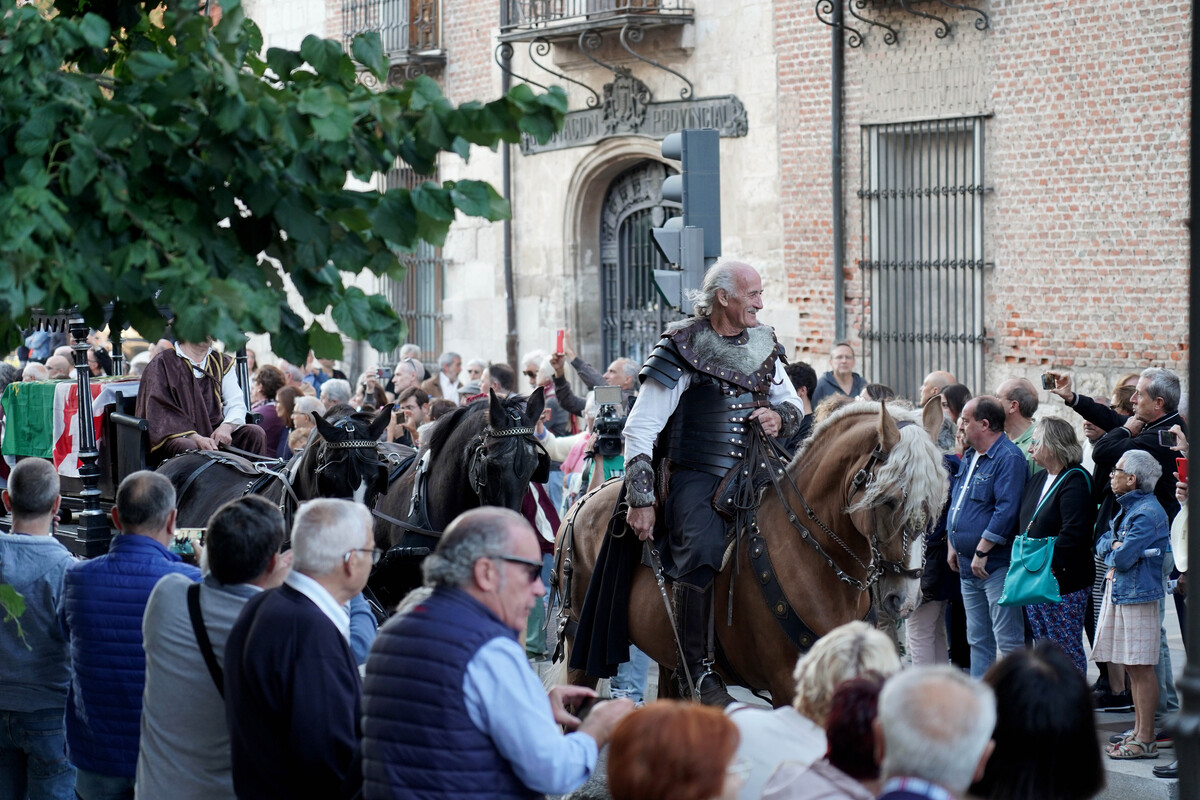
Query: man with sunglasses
column 292, row 688
column 451, row 706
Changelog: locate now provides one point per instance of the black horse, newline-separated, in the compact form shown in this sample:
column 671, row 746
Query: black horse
column 484, row 454
column 341, row 459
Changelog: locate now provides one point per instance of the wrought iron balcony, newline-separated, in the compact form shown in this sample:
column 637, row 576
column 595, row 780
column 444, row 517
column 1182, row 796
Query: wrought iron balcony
column 522, row 20
column 409, row 29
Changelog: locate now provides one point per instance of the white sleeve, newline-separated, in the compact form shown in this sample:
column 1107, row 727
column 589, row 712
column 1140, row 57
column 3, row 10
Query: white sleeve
column 782, row 390
column 233, row 404
column 654, row 406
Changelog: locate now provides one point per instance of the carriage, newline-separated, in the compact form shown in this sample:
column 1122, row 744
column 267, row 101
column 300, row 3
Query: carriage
column 89, row 428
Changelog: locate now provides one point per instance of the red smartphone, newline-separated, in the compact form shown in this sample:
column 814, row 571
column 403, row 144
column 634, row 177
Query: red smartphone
column 559, row 347
column 1181, row 468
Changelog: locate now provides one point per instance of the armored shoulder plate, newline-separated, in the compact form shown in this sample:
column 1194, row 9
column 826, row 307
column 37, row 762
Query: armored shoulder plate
column 664, row 365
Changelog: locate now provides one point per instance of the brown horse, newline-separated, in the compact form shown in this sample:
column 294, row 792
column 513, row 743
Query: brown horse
column 848, row 511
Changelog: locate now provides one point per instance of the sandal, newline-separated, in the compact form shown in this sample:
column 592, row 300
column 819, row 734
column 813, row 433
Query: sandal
column 1125, row 751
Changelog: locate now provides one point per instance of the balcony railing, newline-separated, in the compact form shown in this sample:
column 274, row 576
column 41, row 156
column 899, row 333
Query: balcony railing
column 406, row 27
column 534, row 15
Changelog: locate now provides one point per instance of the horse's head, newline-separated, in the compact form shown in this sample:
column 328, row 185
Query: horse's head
column 896, row 493
column 507, row 456
column 347, row 463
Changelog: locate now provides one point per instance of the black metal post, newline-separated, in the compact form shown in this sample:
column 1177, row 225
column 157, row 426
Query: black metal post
column 115, row 325
column 242, row 370
column 1187, row 732
column 835, row 114
column 510, row 300
column 92, row 532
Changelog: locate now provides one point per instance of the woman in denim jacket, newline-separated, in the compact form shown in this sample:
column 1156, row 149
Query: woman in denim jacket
column 1134, row 548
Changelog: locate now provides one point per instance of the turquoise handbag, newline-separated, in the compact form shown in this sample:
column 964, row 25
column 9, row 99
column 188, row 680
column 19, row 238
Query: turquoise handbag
column 1030, row 580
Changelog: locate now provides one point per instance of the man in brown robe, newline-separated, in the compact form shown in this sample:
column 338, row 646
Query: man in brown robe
column 191, row 398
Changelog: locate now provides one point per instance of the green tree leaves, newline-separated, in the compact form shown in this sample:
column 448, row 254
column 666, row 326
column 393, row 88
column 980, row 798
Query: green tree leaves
column 167, row 163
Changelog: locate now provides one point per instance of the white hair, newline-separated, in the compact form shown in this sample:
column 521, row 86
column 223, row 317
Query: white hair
column 719, row 276
column 1142, row 466
column 35, row 371
column 324, row 531
column 336, row 390
column 936, row 723
column 410, row 351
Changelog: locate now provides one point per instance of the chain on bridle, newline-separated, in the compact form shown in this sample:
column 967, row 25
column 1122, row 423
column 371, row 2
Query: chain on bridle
column 862, row 481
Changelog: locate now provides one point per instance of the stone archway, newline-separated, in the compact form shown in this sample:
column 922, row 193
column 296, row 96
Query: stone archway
column 632, row 313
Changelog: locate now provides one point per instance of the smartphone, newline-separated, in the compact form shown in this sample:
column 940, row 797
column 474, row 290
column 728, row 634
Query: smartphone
column 1171, row 584
column 1181, row 468
column 1049, row 381
column 558, row 348
column 1167, row 439
column 383, row 373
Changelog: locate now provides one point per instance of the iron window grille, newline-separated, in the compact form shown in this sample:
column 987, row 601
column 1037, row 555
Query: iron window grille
column 419, row 297
column 404, row 26
column 922, row 193
column 523, row 14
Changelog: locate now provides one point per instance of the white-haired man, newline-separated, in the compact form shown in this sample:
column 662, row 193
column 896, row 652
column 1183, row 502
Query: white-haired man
column 933, row 733
column 292, row 688
column 445, row 383
column 712, row 372
column 451, row 707
column 335, row 391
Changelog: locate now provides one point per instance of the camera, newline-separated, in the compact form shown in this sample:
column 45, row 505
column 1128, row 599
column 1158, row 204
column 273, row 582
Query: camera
column 383, row 373
column 610, row 421
column 1167, row 439
column 1049, row 381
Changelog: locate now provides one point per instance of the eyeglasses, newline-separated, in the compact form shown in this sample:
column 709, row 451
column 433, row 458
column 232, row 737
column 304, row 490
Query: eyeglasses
column 375, row 552
column 534, row 567
column 1115, row 470
column 1035, row 442
column 529, row 373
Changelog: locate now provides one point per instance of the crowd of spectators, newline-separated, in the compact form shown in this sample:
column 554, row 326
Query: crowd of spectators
column 144, row 678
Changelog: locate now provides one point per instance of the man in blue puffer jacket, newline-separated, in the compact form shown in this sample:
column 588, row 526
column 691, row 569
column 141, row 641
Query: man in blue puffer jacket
column 101, row 615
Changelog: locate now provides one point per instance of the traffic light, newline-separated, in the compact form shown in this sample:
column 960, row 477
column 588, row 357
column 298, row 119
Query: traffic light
column 691, row 242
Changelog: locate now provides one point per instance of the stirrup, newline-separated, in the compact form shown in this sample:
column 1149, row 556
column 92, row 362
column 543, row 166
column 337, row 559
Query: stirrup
column 710, row 687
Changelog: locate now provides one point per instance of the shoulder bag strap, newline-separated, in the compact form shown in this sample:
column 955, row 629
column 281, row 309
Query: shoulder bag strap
column 206, row 648
column 1054, row 487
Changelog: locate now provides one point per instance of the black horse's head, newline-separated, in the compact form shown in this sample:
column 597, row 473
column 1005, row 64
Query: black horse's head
column 506, row 455
column 346, row 458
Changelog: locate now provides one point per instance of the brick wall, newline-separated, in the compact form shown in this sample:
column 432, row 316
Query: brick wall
column 468, row 31
column 1086, row 153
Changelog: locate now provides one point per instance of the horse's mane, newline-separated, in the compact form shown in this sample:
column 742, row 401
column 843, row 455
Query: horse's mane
column 914, row 463
column 446, row 426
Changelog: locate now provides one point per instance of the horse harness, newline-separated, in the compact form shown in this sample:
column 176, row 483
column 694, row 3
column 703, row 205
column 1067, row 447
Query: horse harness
column 418, row 507
column 797, row 631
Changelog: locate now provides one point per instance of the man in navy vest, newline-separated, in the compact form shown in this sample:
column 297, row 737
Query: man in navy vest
column 451, row 707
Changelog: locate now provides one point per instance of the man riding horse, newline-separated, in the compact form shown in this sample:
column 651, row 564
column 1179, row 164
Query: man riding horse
column 711, row 382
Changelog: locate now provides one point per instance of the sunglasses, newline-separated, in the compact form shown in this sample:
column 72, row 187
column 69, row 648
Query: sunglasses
column 533, row 567
column 529, row 373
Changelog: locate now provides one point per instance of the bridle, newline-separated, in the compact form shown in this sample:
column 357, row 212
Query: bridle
column 478, row 462
column 863, row 479
column 349, row 449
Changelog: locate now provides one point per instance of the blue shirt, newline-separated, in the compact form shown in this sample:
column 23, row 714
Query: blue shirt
column 37, row 668
column 506, row 701
column 988, row 508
